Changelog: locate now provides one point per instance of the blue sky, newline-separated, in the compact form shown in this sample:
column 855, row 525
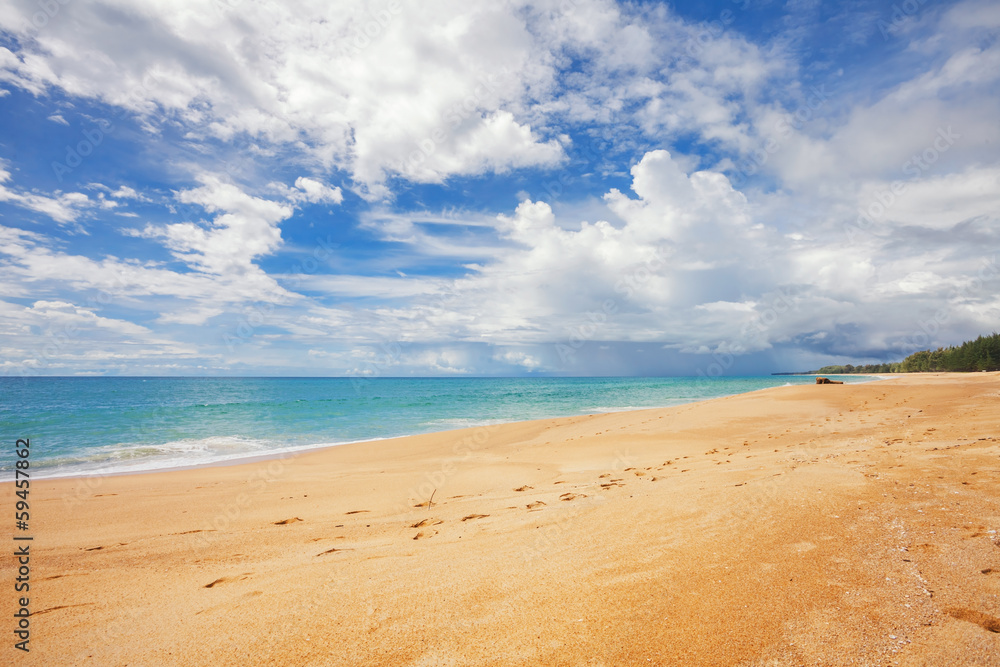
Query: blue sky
column 467, row 188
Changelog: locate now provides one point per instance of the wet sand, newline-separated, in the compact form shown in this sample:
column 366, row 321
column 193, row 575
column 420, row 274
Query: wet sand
column 831, row 525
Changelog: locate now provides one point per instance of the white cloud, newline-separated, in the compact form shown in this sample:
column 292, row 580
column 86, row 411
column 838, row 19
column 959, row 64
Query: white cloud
column 515, row 358
column 62, row 207
column 57, row 118
column 447, row 89
column 307, row 84
column 125, row 192
column 61, row 313
column 31, row 263
column 246, row 229
column 310, row 190
column 689, row 264
column 689, row 258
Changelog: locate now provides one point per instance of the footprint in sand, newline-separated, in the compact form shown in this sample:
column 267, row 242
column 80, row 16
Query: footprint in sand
column 571, row 496
column 984, row 621
column 78, row 574
column 120, row 544
column 361, row 511
column 427, row 522
column 474, row 516
column 330, row 551
column 227, row 580
column 537, row 503
column 523, row 488
column 62, row 606
column 285, row 522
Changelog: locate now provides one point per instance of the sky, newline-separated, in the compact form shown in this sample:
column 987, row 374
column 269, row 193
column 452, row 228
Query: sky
column 437, row 188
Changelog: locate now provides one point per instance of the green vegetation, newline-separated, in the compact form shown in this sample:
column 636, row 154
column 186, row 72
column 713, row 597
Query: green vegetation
column 982, row 354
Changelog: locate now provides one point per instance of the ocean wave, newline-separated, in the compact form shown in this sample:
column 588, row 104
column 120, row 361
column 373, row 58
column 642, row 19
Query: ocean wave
column 454, row 423
column 629, row 408
column 131, row 458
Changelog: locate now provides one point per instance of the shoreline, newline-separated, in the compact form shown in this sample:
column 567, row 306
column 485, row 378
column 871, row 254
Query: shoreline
column 284, row 453
column 736, row 530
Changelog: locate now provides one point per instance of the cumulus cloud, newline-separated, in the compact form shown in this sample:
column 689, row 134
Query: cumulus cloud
column 425, row 92
column 723, row 195
column 309, row 191
column 246, row 228
column 687, row 263
column 343, row 79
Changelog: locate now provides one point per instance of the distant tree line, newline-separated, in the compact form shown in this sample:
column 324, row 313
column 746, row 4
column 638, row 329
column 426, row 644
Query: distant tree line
column 982, row 354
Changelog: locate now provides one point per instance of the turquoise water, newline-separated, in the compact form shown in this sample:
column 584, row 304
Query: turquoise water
column 80, row 426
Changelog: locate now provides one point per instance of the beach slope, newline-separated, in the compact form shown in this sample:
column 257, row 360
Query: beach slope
column 834, row 525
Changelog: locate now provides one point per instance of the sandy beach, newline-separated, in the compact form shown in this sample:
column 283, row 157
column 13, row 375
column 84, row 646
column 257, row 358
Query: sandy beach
column 811, row 525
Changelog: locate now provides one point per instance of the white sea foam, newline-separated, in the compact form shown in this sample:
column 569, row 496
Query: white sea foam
column 132, row 458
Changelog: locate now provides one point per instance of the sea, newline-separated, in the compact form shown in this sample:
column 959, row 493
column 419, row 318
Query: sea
column 82, row 426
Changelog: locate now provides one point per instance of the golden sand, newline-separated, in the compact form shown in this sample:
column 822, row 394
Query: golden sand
column 806, row 525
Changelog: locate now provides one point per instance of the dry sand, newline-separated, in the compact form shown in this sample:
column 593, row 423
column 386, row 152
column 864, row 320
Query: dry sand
column 807, row 525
